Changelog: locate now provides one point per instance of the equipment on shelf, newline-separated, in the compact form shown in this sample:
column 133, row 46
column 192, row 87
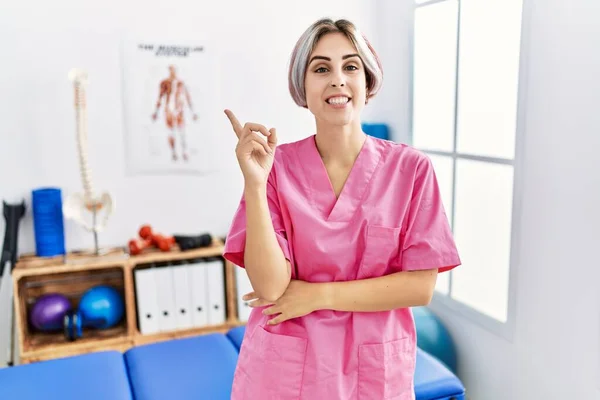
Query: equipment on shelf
column 48, row 311
column 193, row 242
column 100, row 307
column 101, row 205
column 150, row 239
column 48, row 222
column 13, row 213
column 12, row 216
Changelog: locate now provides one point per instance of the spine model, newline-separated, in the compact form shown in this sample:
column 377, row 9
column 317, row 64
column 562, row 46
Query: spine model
column 79, row 79
column 100, row 205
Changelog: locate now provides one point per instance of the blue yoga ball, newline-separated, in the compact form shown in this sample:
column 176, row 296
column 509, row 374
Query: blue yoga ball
column 434, row 338
column 101, row 307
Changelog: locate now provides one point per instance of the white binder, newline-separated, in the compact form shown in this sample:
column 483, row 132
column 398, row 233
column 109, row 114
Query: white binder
column 147, row 305
column 243, row 286
column 197, row 273
column 216, row 292
column 166, row 299
column 183, row 299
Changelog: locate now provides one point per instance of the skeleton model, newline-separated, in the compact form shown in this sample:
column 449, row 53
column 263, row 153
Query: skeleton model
column 101, row 205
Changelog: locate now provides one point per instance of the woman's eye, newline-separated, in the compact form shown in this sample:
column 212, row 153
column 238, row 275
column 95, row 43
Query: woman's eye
column 321, row 70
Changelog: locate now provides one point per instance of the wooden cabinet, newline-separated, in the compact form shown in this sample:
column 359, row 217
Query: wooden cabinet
column 74, row 274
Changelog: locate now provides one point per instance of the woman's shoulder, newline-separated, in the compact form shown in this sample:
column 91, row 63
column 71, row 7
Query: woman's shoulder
column 401, row 153
column 295, row 144
column 287, row 158
column 288, row 151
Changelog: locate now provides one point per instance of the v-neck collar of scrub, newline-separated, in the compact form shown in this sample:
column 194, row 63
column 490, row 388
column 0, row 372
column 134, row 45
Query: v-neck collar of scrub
column 323, row 197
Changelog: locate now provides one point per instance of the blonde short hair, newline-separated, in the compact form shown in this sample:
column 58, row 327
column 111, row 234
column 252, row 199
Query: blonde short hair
column 307, row 43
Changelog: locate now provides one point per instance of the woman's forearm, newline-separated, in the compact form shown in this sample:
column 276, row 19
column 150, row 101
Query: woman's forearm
column 398, row 290
column 268, row 270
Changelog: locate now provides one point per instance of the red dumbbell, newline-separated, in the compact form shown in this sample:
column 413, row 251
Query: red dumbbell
column 136, row 246
column 164, row 243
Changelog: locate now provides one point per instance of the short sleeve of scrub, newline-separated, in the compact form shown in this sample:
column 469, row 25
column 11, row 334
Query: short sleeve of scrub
column 235, row 241
column 427, row 242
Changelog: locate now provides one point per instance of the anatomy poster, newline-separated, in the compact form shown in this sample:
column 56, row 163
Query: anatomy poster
column 169, row 95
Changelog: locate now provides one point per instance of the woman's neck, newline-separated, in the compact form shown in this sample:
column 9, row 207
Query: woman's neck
column 339, row 144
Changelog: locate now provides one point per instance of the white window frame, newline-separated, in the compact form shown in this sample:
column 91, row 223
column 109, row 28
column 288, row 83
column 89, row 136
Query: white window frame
column 445, row 303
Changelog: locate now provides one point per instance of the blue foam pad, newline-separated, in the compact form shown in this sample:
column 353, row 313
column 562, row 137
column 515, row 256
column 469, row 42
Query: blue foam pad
column 236, row 335
column 434, row 381
column 94, row 376
column 381, row 131
column 200, row 367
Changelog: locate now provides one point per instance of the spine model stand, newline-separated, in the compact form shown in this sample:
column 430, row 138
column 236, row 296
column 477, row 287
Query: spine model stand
column 100, row 206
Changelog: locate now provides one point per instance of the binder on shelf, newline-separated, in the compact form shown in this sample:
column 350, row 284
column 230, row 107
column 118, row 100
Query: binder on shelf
column 166, row 298
column 216, row 291
column 183, row 296
column 197, row 274
column 146, row 301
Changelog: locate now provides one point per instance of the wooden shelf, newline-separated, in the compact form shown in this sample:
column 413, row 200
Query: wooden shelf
column 74, row 274
column 55, row 345
column 42, row 341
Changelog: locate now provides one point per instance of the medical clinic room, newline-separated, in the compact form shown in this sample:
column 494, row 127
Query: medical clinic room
column 325, row 200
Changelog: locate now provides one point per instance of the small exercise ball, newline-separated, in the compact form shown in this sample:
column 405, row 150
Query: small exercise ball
column 101, row 307
column 434, row 338
column 48, row 311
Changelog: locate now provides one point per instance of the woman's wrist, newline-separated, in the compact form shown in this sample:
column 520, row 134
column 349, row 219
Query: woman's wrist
column 255, row 189
column 324, row 296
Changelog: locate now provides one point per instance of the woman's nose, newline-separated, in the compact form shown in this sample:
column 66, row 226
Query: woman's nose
column 337, row 80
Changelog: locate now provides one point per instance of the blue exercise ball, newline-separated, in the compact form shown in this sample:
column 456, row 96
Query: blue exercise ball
column 434, row 338
column 101, row 307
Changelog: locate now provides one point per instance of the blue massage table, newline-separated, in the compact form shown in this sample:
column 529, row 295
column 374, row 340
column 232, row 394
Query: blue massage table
column 196, row 368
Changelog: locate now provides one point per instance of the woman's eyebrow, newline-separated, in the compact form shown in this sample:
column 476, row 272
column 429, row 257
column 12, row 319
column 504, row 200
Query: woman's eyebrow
column 329, row 59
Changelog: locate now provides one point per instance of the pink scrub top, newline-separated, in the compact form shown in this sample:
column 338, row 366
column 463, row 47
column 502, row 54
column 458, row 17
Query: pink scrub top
column 388, row 218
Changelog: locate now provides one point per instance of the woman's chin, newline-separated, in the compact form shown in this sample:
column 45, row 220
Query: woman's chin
column 337, row 119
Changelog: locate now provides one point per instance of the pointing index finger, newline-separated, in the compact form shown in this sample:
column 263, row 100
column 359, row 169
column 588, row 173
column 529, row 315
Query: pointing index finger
column 237, row 127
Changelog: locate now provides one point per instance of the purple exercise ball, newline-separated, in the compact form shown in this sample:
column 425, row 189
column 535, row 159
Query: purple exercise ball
column 48, row 311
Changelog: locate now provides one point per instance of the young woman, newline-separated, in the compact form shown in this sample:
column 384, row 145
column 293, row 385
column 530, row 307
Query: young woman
column 340, row 233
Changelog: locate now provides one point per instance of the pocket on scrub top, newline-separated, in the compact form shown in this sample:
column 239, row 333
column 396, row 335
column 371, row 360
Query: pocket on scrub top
column 381, row 246
column 270, row 366
column 386, row 370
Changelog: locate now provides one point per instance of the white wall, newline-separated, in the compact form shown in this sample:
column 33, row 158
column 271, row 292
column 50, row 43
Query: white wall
column 41, row 41
column 393, row 44
column 554, row 352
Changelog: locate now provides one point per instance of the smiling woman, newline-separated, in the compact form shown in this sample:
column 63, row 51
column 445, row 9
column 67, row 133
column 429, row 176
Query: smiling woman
column 340, row 234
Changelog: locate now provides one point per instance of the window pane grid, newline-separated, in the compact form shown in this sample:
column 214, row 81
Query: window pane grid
column 454, row 155
column 425, row 3
column 493, row 163
column 434, row 76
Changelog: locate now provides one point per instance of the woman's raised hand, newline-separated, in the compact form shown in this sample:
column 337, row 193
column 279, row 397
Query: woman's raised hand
column 255, row 150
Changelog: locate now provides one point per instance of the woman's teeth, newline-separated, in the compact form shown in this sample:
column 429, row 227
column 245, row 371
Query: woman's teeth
column 338, row 100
